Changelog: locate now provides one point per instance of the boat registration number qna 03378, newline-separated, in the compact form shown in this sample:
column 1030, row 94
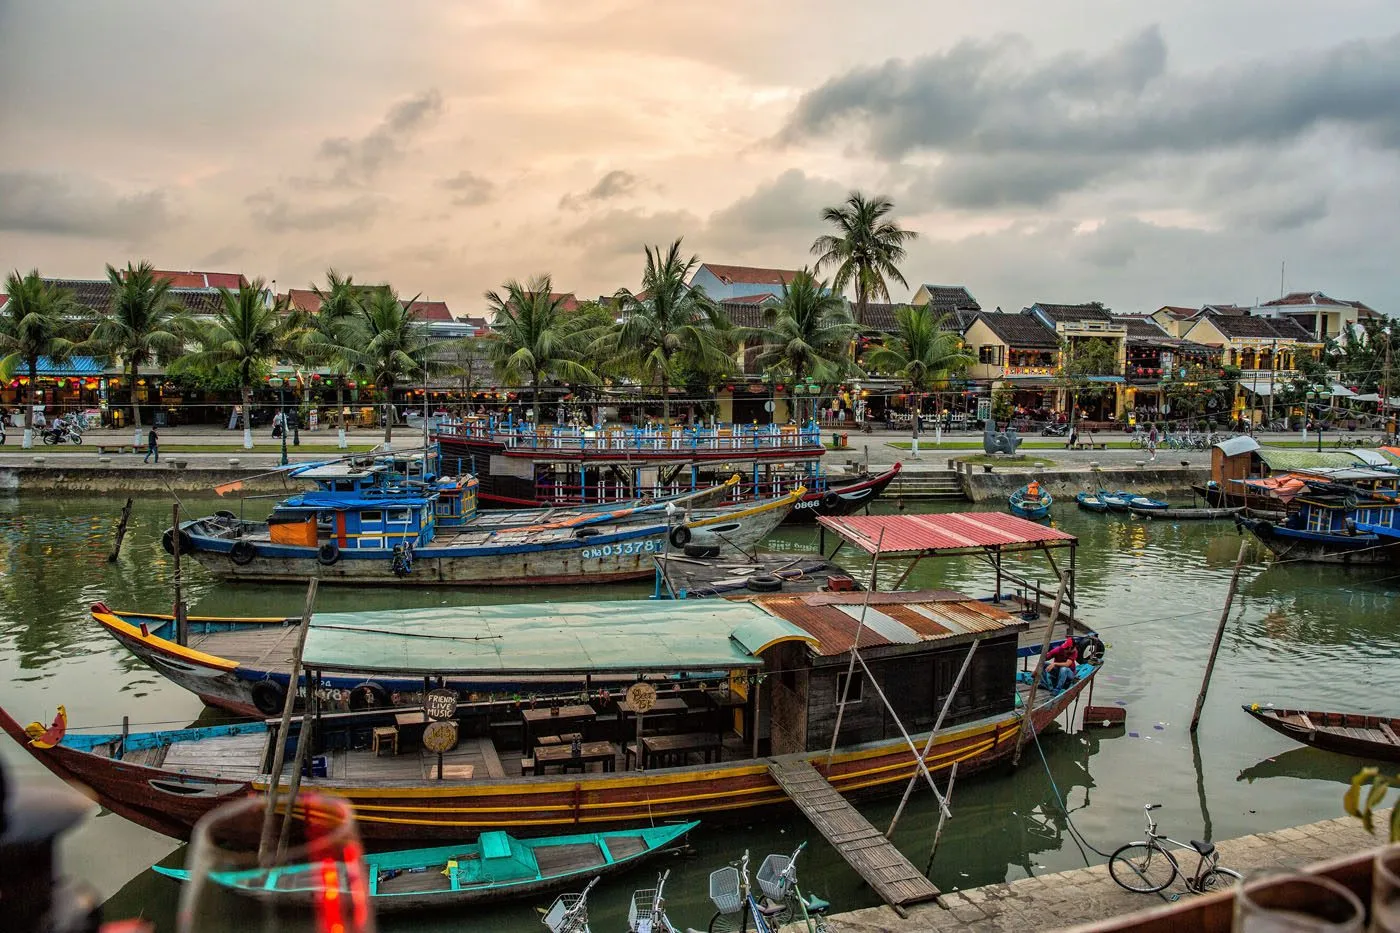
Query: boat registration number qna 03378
column 624, row 549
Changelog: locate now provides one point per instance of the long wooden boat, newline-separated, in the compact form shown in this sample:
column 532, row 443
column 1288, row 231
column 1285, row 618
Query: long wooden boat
column 1359, row 734
column 364, row 543
column 1185, row 515
column 715, row 664
column 497, row 867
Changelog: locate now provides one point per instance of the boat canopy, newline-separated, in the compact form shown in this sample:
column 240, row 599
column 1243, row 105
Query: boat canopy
column 334, row 471
column 1234, row 446
column 583, row 637
column 1283, row 458
column 950, row 533
column 332, row 500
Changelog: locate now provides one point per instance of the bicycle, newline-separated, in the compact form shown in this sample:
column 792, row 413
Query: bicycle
column 734, row 902
column 647, row 913
column 777, row 878
column 1147, row 867
column 569, row 912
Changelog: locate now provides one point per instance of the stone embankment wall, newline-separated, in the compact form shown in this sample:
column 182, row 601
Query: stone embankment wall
column 1161, row 482
column 85, row 480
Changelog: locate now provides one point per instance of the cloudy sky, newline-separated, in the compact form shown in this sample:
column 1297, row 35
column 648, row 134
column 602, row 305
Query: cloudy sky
column 1136, row 153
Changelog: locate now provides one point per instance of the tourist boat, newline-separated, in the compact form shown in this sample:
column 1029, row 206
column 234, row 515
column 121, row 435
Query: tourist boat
column 1027, row 505
column 1091, row 502
column 519, row 465
column 497, row 867
column 374, row 540
column 1185, row 515
column 1358, row 734
column 712, row 663
column 1333, row 525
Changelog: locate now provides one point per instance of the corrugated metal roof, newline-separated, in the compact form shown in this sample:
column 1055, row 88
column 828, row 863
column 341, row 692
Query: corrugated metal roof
column 934, row 615
column 1298, row 459
column 954, row 531
column 1234, row 446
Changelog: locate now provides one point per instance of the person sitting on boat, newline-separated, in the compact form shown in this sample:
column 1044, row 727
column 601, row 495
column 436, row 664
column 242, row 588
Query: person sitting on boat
column 1033, row 490
column 1062, row 665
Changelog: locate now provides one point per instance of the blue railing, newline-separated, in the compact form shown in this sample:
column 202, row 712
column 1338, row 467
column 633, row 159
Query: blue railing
column 515, row 434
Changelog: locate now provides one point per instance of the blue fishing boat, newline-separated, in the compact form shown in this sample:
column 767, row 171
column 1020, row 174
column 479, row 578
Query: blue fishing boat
column 1030, row 501
column 1336, row 520
column 1091, row 502
column 497, row 867
column 1145, row 504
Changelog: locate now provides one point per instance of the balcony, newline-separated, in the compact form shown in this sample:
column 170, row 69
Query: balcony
column 1101, row 329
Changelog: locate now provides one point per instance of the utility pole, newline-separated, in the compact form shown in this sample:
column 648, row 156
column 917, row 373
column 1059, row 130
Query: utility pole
column 1273, row 365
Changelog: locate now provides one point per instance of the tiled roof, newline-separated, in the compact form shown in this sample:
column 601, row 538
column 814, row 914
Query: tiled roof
column 1287, row 327
column 96, row 294
column 1020, row 330
column 750, row 275
column 478, row 322
column 229, row 280
column 951, row 298
column 430, row 311
column 567, row 301
column 1141, row 327
column 1305, row 298
column 881, row 317
column 752, row 299
column 743, row 313
column 1178, row 312
column 1233, row 310
column 304, row 299
column 1090, row 311
column 3, row 300
column 1245, row 325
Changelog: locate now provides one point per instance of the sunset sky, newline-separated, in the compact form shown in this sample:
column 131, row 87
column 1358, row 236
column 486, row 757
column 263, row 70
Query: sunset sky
column 1135, row 153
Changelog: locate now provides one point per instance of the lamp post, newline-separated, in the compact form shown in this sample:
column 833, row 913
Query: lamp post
column 810, row 387
column 280, row 384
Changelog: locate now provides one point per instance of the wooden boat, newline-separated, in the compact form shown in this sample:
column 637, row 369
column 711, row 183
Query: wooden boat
column 1185, row 515
column 369, row 541
column 1358, row 734
column 1333, row 526
column 497, row 867
column 705, row 658
column 735, row 576
column 1145, row 504
column 1026, row 505
column 1116, row 501
column 1090, row 502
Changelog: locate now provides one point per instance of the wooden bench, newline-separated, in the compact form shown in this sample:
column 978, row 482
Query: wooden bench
column 1091, row 445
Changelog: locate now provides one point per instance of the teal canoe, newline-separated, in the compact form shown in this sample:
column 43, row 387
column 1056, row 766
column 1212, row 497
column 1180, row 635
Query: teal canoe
column 498, row 867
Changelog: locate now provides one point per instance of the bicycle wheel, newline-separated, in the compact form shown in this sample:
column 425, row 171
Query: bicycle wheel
column 736, row 922
column 1219, row 879
column 1142, row 867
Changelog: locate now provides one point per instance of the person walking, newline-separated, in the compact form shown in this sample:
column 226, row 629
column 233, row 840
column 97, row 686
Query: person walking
column 1152, row 442
column 152, row 446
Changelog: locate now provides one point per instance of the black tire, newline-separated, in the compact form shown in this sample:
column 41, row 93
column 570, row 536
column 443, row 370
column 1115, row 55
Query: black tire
column 582, row 533
column 328, row 554
column 679, row 536
column 225, row 513
column 730, row 923
column 241, row 553
column 167, row 541
column 1219, row 879
column 269, row 697
column 50, row 438
column 1091, row 649
column 77, row 438
column 764, row 583
column 1142, row 868
column 702, row 550
column 368, row 695
column 831, row 501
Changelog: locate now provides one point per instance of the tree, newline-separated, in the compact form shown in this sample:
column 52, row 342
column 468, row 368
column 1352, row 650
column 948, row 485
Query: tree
column 326, row 335
column 866, row 249
column 144, row 324
column 808, row 334
column 395, row 347
column 1202, row 389
column 669, row 326
column 1081, row 362
column 38, row 321
column 532, row 338
column 921, row 353
column 247, row 333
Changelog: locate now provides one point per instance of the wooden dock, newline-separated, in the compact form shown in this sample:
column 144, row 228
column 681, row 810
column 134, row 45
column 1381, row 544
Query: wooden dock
column 867, row 850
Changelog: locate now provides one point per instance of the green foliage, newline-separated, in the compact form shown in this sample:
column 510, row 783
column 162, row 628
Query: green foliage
column 1002, row 407
column 145, row 323
column 1362, row 362
column 1313, row 375
column 808, row 335
column 920, row 352
column 866, row 249
column 39, row 320
column 1191, row 395
column 1366, row 793
column 532, row 339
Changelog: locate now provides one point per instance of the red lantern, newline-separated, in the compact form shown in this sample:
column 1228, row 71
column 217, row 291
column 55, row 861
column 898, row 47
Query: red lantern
column 315, row 377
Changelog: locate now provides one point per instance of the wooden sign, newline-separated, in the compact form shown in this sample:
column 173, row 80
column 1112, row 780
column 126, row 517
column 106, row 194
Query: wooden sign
column 641, row 696
column 439, row 736
column 440, row 704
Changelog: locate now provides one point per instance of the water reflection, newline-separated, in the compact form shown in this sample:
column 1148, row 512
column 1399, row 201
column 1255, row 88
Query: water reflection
column 1307, row 764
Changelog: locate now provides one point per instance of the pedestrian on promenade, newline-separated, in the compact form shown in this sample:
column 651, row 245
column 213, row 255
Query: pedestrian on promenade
column 152, row 446
column 1152, row 442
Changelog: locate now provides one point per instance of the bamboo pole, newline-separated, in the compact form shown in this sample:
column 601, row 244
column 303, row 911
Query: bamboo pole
column 182, row 628
column 121, row 532
column 1028, row 717
column 303, row 743
column 855, row 644
column 942, row 818
column 1219, row 636
column 279, row 753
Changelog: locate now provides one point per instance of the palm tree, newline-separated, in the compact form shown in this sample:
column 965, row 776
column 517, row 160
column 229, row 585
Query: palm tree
column 809, row 334
column 532, row 338
column 38, row 321
column 921, row 353
column 865, row 251
column 145, row 323
column 669, row 325
column 392, row 346
column 325, row 335
column 246, row 333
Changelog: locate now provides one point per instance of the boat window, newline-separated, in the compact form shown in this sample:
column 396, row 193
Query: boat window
column 373, row 516
column 857, row 692
column 398, row 515
column 370, row 542
column 1319, row 520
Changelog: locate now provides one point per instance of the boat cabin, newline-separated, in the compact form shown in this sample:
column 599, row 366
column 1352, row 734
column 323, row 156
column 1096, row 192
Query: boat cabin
column 373, row 519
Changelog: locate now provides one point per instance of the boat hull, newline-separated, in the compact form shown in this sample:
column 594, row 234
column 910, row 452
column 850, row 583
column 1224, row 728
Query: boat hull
column 171, row 803
column 1332, row 732
column 1322, row 548
column 1186, row 515
column 842, row 500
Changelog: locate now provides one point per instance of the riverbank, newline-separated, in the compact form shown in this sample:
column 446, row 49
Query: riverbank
column 1070, row 899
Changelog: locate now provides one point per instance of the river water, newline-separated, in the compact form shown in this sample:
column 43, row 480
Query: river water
column 1298, row 634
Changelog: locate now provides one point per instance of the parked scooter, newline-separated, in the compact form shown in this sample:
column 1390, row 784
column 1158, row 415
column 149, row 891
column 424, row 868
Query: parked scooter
column 61, row 432
column 1055, row 429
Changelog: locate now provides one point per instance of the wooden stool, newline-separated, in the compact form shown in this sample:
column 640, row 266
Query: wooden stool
column 527, row 766
column 384, row 735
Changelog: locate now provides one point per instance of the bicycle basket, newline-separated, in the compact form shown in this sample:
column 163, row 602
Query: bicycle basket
column 563, row 918
column 770, row 877
column 724, row 890
column 639, row 914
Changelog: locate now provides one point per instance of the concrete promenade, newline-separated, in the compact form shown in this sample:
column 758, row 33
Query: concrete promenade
column 1069, row 899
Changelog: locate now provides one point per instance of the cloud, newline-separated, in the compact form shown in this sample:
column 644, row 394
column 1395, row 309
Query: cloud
column 78, row 206
column 621, row 232
column 359, row 160
column 788, row 207
column 223, row 255
column 468, row 188
column 615, row 184
column 1020, row 179
column 276, row 214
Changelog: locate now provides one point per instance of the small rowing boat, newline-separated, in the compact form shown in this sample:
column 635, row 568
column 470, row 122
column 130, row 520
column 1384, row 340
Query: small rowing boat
column 1090, row 502
column 1030, row 503
column 1186, row 515
column 498, row 867
column 1359, row 734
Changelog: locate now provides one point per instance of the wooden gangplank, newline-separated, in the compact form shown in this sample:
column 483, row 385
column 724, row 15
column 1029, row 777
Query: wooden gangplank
column 873, row 856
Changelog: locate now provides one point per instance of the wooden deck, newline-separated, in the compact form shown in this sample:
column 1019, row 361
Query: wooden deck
column 865, row 848
column 259, row 648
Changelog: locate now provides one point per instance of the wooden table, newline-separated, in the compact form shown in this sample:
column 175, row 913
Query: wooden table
column 541, row 719
column 411, row 724
column 673, row 750
column 604, row 752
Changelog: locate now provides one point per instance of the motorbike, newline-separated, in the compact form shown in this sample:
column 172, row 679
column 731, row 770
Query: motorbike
column 61, row 433
column 1055, row 429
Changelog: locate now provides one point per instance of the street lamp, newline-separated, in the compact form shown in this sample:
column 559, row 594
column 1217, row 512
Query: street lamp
column 278, row 383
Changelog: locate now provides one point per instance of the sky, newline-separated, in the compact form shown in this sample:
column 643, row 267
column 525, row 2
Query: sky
column 1139, row 154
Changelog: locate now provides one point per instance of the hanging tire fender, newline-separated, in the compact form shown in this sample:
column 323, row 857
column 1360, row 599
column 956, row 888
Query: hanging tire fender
column 241, row 553
column 679, row 536
column 368, row 695
column 831, row 501
column 328, row 554
column 269, row 697
column 167, row 541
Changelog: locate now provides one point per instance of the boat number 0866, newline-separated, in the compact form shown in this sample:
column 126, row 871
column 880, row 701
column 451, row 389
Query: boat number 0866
column 623, row 549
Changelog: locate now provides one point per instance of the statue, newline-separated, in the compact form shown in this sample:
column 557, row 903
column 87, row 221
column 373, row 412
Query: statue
column 1003, row 442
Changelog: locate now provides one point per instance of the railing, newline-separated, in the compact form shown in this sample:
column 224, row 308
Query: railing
column 609, row 492
column 740, row 438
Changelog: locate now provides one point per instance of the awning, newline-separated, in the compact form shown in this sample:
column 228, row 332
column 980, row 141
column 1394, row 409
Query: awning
column 953, row 532
column 550, row 638
column 73, row 366
column 1280, row 459
column 1263, row 389
column 1234, row 446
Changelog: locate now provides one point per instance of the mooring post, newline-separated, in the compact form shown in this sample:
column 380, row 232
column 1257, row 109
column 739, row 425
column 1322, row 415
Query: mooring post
column 1219, row 635
column 279, row 752
column 121, row 532
column 182, row 625
column 1028, row 715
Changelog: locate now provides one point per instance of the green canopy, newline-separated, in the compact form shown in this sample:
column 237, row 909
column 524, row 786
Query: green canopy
column 585, row 637
column 1282, row 459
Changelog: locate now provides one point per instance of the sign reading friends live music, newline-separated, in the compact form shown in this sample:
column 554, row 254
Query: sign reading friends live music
column 440, row 705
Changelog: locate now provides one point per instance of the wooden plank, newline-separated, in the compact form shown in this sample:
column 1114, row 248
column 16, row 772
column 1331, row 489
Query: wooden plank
column 892, row 876
column 1389, row 734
